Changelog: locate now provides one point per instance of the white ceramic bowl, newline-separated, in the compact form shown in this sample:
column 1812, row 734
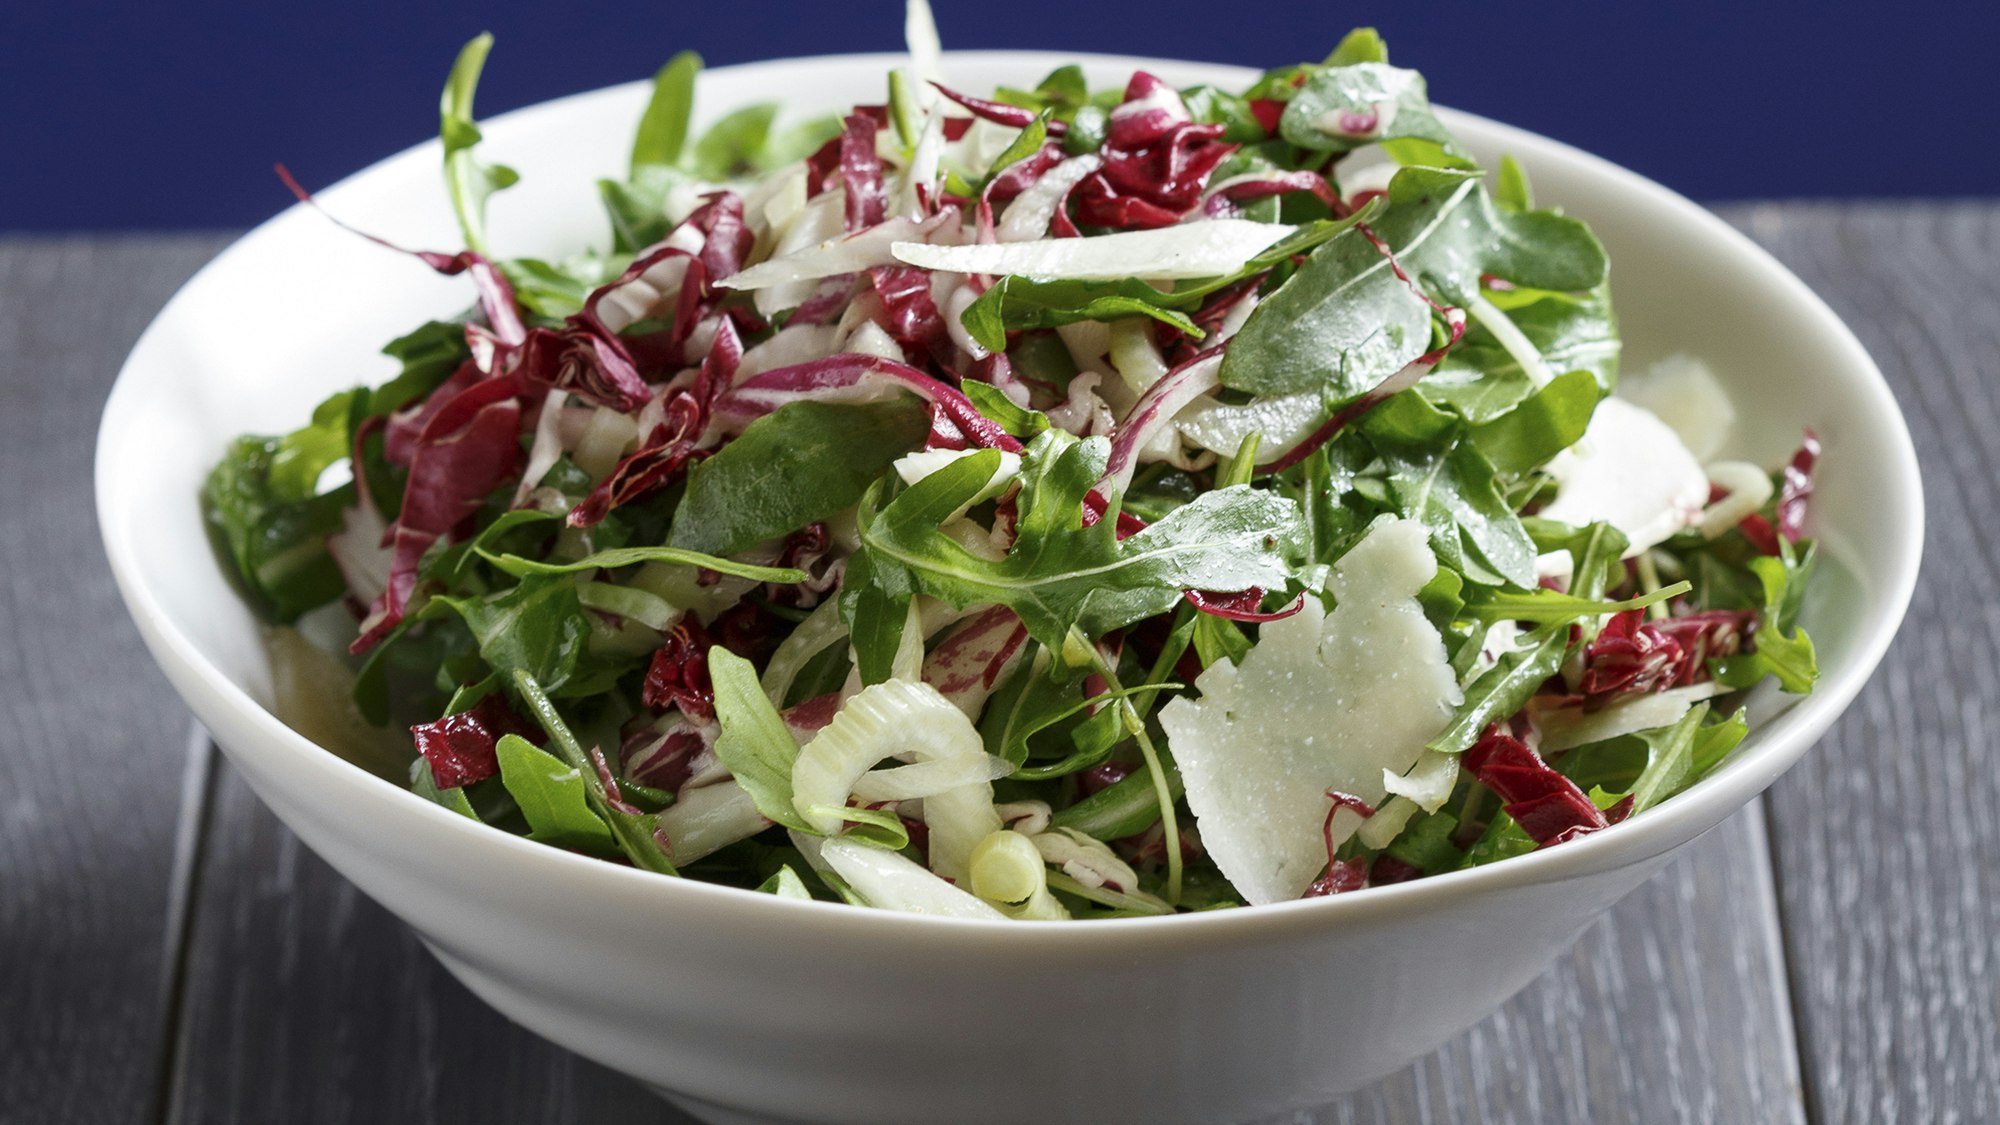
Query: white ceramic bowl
column 750, row 1007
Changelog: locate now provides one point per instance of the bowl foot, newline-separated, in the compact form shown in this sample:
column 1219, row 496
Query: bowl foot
column 708, row 1113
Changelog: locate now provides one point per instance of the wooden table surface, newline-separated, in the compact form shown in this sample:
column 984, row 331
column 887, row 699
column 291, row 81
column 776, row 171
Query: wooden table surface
column 169, row 952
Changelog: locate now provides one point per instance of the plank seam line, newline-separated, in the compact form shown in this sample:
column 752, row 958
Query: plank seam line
column 1793, row 988
column 190, row 854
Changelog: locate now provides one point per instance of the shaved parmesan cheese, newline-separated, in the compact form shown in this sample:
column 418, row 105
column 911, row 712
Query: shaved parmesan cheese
column 1565, row 727
column 1322, row 702
column 1631, row 471
column 1687, row 396
column 1204, row 249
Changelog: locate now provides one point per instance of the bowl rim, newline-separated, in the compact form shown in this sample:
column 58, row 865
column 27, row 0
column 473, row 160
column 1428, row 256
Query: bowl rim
column 1663, row 828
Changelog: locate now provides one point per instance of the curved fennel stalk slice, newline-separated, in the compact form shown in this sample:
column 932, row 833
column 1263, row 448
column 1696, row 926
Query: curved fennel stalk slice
column 898, row 718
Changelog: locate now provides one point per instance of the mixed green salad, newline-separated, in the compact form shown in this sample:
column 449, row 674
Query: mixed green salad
column 1055, row 502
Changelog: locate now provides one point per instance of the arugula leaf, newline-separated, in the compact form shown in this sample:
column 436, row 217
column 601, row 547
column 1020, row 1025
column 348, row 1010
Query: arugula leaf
column 1125, row 808
column 265, row 518
column 1511, row 191
column 1060, row 573
column 1345, row 321
column 1504, row 688
column 1438, row 476
column 429, row 355
column 785, row 883
column 1425, row 843
column 1550, row 607
column 553, row 797
column 1026, row 143
column 990, row 401
column 467, row 181
column 637, row 833
column 1543, row 425
column 1362, row 45
column 547, row 289
column 627, row 556
column 1344, row 107
column 875, row 602
column 754, row 743
column 1789, row 658
column 663, row 128
column 1014, row 303
column 1482, row 380
column 537, row 628
column 731, row 147
column 424, row 784
column 804, row 461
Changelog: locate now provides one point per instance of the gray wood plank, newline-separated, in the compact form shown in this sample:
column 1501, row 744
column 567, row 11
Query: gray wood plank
column 308, row 1002
column 1888, row 834
column 91, row 775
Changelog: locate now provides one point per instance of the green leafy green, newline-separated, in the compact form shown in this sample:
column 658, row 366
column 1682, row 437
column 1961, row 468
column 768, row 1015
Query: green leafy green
column 754, row 741
column 629, row 556
column 637, row 834
column 785, row 884
column 802, row 462
column 1061, row 573
column 1438, row 475
column 663, row 127
column 1790, row 658
column 1348, row 105
column 1542, row 425
column 1502, row 689
column 468, row 182
column 264, row 514
column 1345, row 321
column 553, row 797
column 537, row 628
column 1015, row 304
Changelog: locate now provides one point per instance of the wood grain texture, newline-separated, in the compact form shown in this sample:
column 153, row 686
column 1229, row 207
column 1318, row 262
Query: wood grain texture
column 91, row 771
column 1888, row 834
column 308, row 1002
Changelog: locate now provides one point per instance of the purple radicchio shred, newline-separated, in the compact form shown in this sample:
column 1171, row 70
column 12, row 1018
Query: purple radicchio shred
column 460, row 749
column 1548, row 806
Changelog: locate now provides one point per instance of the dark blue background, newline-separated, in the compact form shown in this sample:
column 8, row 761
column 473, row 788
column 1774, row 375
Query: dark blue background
column 147, row 114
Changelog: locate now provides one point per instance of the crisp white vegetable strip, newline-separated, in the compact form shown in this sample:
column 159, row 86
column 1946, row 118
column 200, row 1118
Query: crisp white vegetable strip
column 888, row 881
column 1749, row 488
column 1007, row 871
column 856, row 252
column 705, row 820
column 1428, row 783
column 1512, row 339
column 1028, row 217
column 902, row 719
column 1203, row 249
column 1564, row 727
column 1088, row 860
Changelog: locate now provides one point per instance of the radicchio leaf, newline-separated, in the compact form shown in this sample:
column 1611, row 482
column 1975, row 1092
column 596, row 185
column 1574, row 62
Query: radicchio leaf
column 460, row 748
column 1548, row 806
